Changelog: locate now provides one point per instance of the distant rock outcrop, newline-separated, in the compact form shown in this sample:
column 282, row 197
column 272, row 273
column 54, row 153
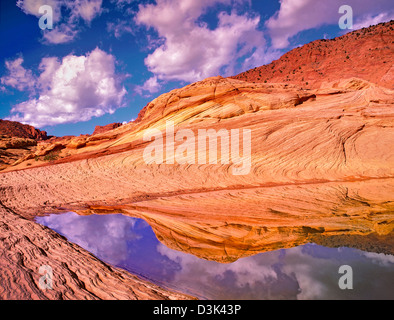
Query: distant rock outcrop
column 13, row 149
column 106, row 128
column 19, row 130
column 17, row 141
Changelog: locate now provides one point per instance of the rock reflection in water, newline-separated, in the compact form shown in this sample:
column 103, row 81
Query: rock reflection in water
column 305, row 272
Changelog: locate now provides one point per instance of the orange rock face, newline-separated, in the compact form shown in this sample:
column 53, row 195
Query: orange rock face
column 108, row 127
column 16, row 129
column 366, row 53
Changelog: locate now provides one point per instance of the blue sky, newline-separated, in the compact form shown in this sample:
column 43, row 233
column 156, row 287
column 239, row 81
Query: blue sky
column 103, row 61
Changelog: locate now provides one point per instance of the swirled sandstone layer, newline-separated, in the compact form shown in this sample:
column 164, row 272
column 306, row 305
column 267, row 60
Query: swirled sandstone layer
column 322, row 170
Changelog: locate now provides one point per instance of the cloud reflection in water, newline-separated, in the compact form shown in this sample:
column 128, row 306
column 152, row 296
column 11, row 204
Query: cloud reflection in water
column 305, row 272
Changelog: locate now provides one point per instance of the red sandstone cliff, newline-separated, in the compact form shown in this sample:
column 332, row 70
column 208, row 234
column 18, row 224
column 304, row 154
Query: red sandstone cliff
column 367, row 54
column 19, row 130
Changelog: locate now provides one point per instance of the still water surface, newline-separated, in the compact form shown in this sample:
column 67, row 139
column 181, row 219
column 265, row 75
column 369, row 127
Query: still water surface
column 305, row 272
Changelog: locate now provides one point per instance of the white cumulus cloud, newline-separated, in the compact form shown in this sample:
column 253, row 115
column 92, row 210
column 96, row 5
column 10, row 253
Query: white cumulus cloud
column 370, row 20
column 18, row 77
column 191, row 50
column 60, row 34
column 295, row 16
column 66, row 16
column 32, row 7
column 77, row 88
column 151, row 85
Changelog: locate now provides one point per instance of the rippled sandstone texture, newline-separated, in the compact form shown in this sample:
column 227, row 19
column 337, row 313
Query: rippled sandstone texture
column 322, row 167
column 322, row 171
column 26, row 246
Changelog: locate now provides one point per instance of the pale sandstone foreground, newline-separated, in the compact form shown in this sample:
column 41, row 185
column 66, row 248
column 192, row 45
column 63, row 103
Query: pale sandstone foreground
column 322, row 171
column 77, row 274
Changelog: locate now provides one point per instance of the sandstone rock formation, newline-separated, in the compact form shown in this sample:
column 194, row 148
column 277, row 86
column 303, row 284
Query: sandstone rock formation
column 17, row 141
column 16, row 129
column 108, row 127
column 324, row 155
column 366, row 53
column 13, row 149
column 322, row 170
